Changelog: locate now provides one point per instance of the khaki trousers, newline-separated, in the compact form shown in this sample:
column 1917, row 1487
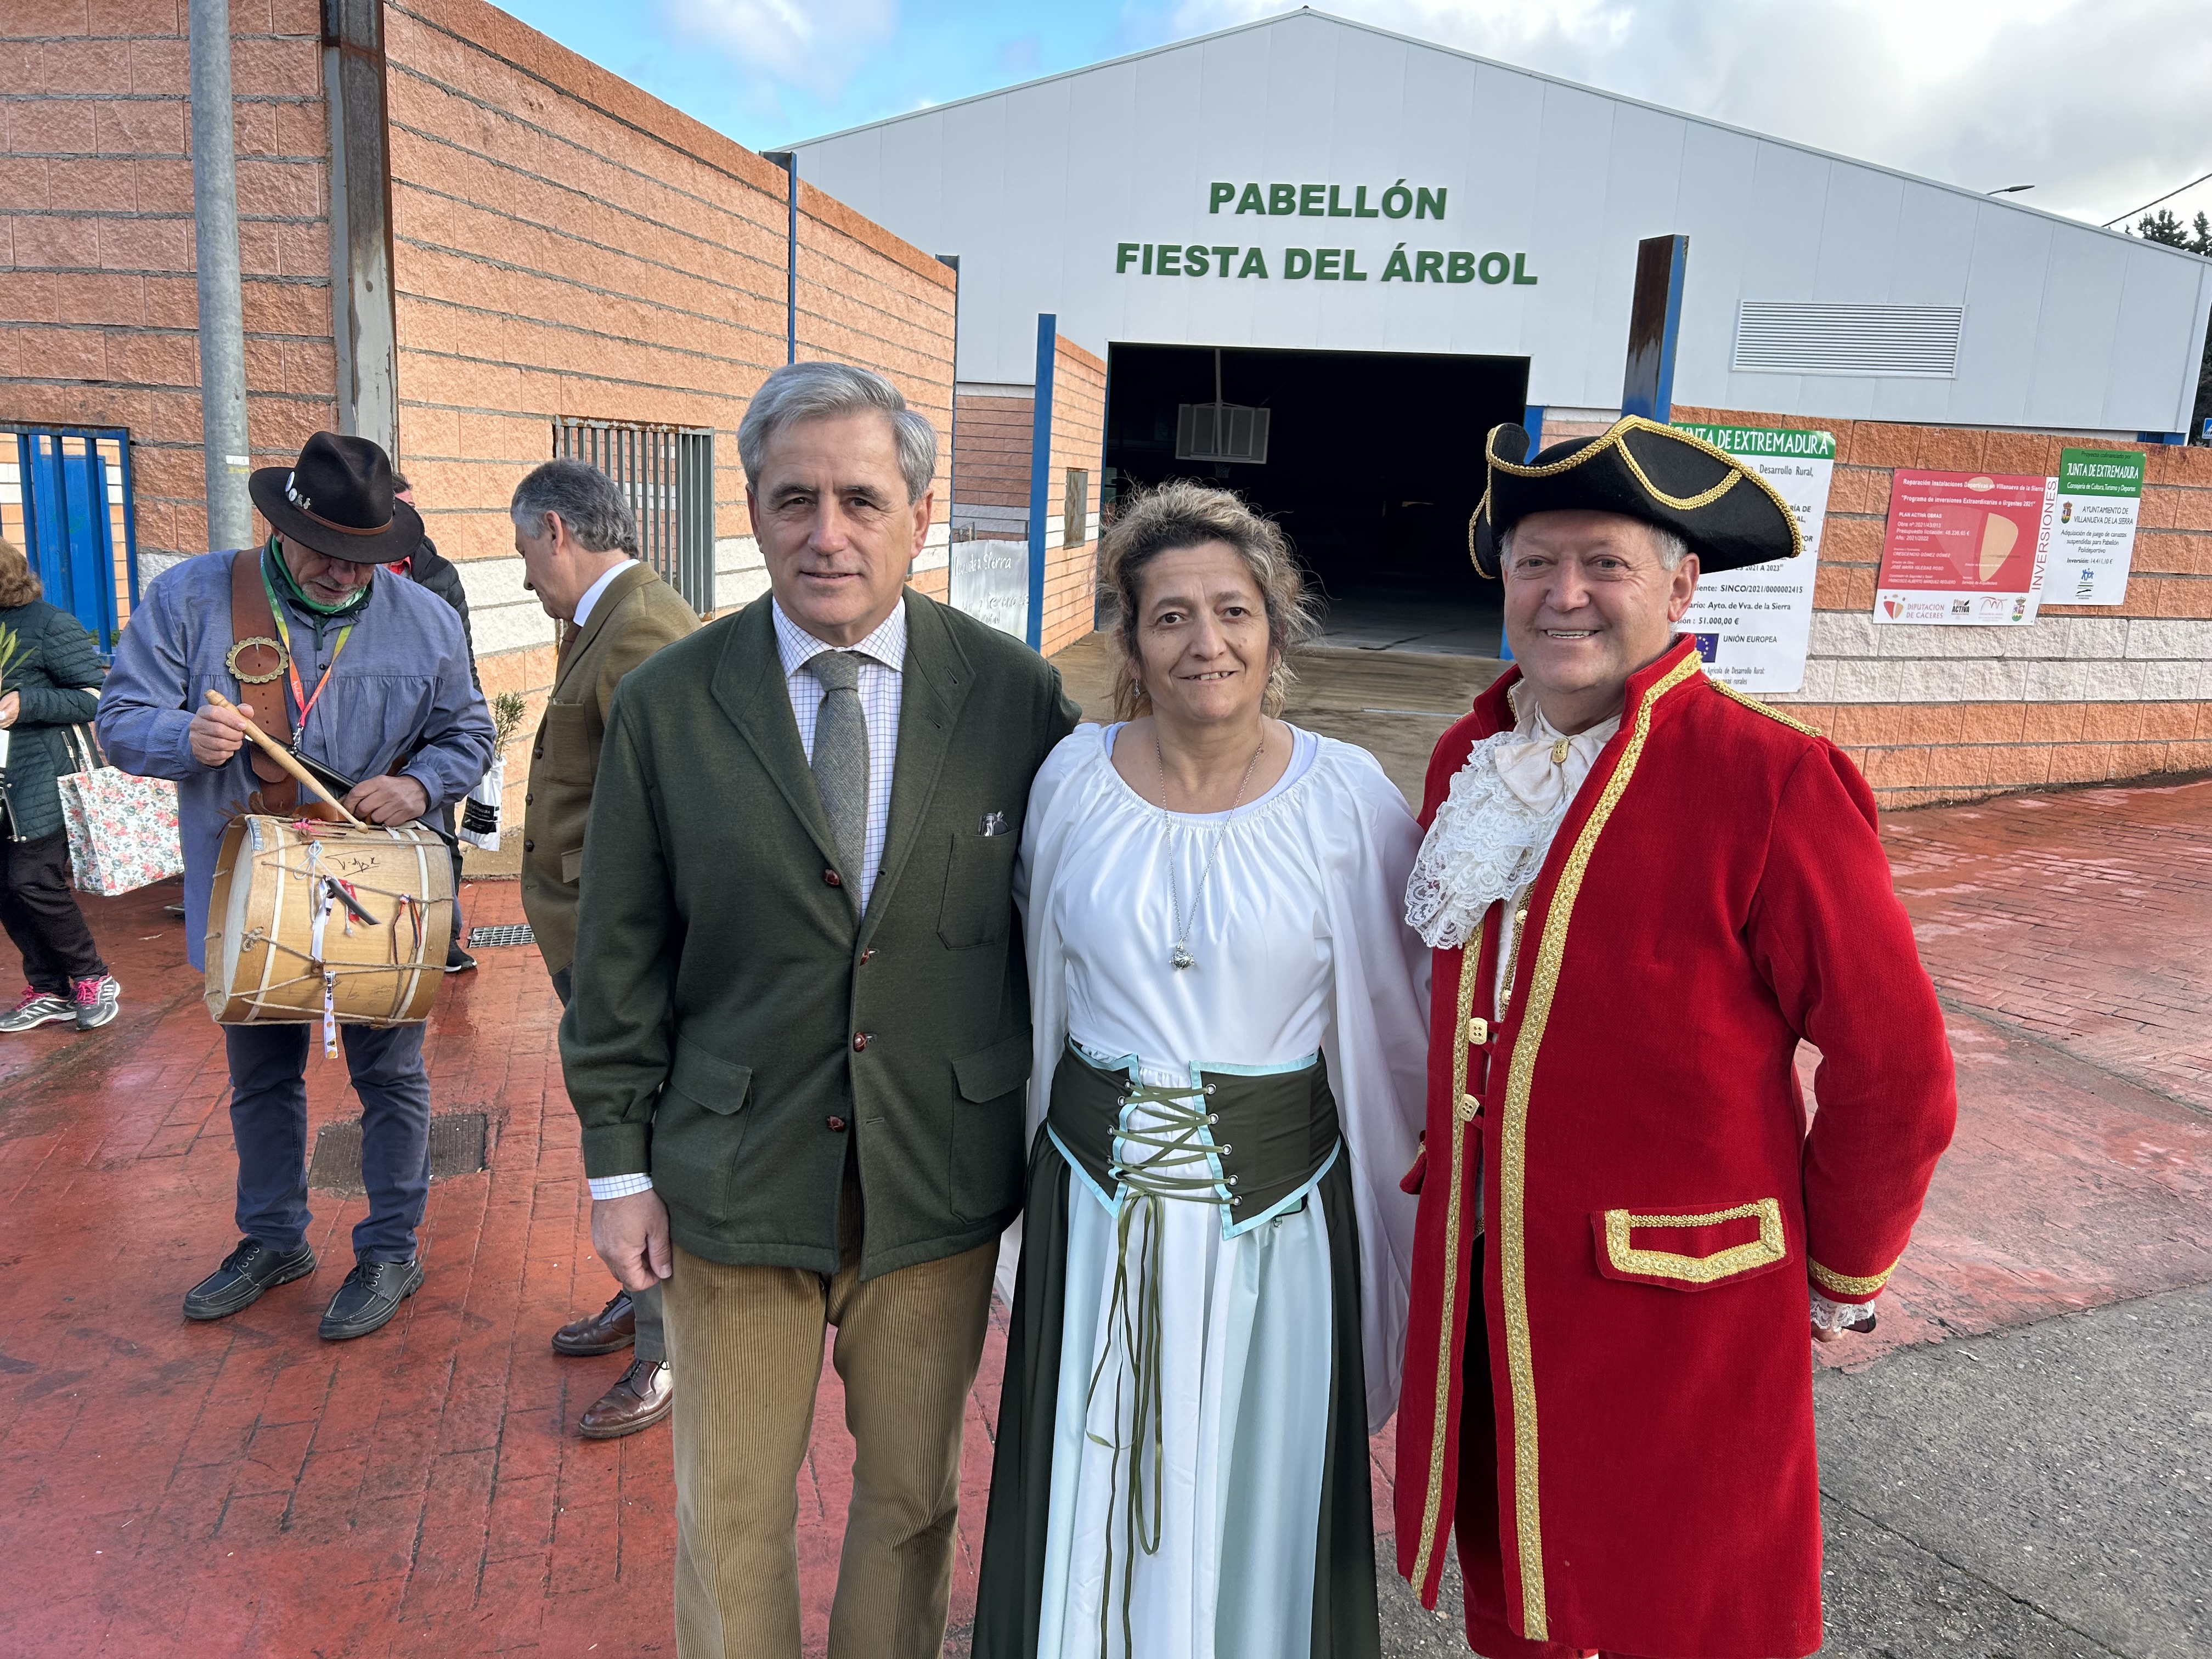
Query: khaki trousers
column 747, row 1341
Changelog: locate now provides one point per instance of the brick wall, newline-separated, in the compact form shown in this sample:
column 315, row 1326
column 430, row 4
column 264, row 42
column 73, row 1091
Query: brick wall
column 991, row 468
column 98, row 313
column 2086, row 694
column 1079, row 441
column 565, row 245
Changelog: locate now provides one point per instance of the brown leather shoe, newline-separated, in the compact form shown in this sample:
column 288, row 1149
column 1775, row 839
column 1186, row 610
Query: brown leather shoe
column 644, row 1396
column 611, row 1330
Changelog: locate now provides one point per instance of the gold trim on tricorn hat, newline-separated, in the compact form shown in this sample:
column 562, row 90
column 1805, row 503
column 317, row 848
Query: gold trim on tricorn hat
column 1730, row 515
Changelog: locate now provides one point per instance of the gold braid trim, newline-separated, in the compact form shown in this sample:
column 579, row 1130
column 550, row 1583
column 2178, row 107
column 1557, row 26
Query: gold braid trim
column 1843, row 1284
column 1510, row 1226
column 1471, row 958
column 1758, row 708
column 1614, row 437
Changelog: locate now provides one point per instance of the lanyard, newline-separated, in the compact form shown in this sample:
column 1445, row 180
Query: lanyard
column 299, row 694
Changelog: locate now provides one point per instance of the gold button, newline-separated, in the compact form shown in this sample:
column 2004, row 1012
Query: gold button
column 1519, row 918
column 1477, row 1031
column 1469, row 1109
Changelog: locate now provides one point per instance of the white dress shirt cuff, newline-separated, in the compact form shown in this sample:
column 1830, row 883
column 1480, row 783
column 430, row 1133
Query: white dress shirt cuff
column 620, row 1185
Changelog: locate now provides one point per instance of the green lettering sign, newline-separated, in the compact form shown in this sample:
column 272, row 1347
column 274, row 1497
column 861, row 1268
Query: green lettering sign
column 1297, row 262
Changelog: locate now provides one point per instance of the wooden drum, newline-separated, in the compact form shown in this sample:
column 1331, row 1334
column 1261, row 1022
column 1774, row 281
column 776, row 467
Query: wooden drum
column 325, row 921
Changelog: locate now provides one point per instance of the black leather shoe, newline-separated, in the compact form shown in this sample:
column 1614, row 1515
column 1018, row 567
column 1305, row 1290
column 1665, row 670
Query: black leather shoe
column 246, row 1272
column 372, row 1293
column 611, row 1329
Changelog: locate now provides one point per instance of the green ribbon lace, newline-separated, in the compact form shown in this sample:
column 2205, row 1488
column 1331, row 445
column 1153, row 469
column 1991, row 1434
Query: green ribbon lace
column 1179, row 1166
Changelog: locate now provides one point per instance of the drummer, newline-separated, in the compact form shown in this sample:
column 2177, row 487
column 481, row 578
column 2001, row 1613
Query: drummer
column 369, row 677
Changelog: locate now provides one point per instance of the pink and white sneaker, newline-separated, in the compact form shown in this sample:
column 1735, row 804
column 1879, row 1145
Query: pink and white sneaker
column 37, row 1007
column 98, row 1000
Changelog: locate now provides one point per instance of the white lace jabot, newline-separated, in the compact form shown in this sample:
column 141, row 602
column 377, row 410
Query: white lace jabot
column 1493, row 830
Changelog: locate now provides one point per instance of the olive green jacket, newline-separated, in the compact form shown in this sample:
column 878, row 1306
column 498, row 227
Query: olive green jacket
column 736, row 1025
column 637, row 615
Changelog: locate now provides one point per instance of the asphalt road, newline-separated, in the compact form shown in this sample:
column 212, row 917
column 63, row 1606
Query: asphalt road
column 2040, row 1493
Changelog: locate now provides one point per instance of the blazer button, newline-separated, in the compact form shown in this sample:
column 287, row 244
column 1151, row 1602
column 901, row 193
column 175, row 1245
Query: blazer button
column 866, row 954
column 831, row 878
column 838, row 1124
column 537, row 754
column 529, row 800
column 859, row 1041
column 530, row 846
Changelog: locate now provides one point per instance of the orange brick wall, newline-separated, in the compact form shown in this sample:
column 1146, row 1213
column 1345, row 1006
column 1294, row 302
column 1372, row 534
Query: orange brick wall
column 566, row 245
column 99, row 314
column 1079, row 439
column 1916, row 751
column 991, row 468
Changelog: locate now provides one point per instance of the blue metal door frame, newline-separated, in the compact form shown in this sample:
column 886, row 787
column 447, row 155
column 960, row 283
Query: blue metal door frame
column 69, row 526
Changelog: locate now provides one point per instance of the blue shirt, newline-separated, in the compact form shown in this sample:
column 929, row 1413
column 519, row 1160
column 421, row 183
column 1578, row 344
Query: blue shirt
column 401, row 688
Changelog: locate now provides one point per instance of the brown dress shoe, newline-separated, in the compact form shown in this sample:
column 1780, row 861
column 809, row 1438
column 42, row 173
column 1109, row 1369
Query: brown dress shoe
column 611, row 1329
column 644, row 1396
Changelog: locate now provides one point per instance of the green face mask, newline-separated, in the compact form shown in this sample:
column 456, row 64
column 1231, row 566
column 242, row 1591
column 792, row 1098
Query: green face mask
column 298, row 595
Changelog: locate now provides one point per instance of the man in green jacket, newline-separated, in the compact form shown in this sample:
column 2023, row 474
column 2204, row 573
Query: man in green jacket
column 577, row 539
column 800, row 1035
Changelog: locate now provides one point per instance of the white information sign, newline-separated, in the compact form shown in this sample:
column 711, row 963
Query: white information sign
column 991, row 583
column 1752, row 625
column 2092, row 530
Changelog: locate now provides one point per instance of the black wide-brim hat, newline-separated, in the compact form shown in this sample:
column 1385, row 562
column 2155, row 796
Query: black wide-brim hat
column 1730, row 515
column 336, row 499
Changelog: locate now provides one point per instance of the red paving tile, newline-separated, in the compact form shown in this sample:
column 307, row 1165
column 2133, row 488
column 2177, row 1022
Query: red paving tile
column 243, row 1488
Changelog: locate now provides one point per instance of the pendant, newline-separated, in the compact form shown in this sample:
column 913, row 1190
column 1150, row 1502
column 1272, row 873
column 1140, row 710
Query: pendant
column 1182, row 958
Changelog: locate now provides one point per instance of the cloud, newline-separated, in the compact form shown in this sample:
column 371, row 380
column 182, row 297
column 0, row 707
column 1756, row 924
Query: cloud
column 815, row 46
column 2098, row 103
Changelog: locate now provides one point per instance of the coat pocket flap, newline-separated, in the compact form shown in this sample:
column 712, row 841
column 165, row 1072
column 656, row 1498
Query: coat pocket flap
column 572, row 865
column 998, row 1070
column 1691, row 1249
column 719, row 1084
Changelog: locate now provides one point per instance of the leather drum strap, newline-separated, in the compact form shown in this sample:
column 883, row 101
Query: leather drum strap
column 257, row 660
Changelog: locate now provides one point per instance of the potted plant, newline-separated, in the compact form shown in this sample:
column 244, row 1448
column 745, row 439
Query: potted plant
column 479, row 824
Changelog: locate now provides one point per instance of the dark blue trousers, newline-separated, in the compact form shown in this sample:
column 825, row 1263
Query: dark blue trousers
column 269, row 1122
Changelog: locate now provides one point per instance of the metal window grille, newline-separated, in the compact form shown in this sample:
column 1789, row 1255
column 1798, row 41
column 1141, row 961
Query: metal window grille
column 1075, row 508
column 65, row 499
column 668, row 473
column 1785, row 336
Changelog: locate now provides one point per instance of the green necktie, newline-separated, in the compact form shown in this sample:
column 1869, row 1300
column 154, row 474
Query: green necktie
column 841, row 760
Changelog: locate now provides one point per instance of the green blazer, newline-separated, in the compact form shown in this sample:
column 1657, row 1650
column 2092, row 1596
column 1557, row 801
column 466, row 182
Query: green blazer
column 736, row 1027
column 637, row 615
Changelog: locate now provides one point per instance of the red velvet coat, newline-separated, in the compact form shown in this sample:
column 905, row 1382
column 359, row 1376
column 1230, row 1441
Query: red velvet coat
column 1651, row 1202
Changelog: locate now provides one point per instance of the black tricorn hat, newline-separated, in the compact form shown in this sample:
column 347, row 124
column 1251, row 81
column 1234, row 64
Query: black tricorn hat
column 1728, row 514
column 336, row 499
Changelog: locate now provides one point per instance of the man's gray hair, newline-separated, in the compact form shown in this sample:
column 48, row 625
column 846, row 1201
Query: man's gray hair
column 588, row 502
column 1665, row 542
column 821, row 391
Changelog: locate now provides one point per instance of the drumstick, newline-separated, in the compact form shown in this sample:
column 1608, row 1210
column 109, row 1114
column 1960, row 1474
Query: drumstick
column 284, row 756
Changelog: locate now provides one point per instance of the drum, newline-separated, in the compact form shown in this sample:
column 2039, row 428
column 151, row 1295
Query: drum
column 324, row 921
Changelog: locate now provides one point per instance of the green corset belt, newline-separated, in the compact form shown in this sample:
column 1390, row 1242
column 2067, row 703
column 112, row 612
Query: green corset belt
column 1250, row 1140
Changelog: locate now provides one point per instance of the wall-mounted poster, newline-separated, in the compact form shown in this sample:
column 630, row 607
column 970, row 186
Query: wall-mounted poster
column 1752, row 625
column 2092, row 535
column 1964, row 548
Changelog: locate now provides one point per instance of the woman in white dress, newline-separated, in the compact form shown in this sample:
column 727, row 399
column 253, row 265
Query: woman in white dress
column 1231, row 1042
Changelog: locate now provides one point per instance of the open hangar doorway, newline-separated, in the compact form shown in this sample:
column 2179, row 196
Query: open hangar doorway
column 1371, row 461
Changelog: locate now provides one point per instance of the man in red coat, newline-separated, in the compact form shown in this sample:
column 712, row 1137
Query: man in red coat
column 1644, row 890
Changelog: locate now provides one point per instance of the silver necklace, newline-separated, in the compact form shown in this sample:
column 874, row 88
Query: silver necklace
column 1181, row 957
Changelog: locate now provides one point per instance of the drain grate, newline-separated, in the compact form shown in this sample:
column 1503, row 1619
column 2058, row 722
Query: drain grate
column 457, row 1148
column 505, row 934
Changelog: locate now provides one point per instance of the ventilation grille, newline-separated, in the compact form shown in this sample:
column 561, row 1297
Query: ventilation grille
column 1222, row 432
column 1783, row 337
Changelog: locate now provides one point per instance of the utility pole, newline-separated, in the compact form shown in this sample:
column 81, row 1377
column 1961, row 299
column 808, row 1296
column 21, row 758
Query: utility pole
column 222, row 324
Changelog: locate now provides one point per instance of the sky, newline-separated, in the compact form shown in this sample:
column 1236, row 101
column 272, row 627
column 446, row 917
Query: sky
column 2101, row 105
